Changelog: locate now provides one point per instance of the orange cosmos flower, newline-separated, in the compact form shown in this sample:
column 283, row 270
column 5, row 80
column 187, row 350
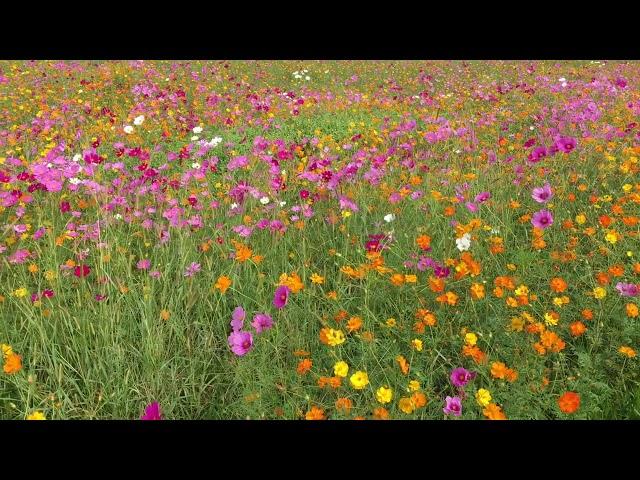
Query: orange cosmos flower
column 498, row 370
column 419, row 399
column 344, row 405
column 404, row 365
column 436, row 284
column 424, row 241
column 577, row 329
column 587, row 314
column 477, row 291
column 558, row 285
column 12, row 363
column 632, row 310
column 354, row 324
column 381, row 413
column 223, row 283
column 628, row 351
column 304, row 366
column 315, row 414
column 569, row 402
column 494, row 412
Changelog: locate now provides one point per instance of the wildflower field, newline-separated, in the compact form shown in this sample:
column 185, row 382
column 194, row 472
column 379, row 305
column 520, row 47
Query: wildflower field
column 319, row 240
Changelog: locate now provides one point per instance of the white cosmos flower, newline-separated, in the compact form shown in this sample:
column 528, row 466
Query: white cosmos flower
column 128, row 129
column 195, row 165
column 197, row 129
column 215, row 141
column 138, row 120
column 307, row 77
column 390, row 217
column 117, row 216
column 234, row 205
column 264, row 200
column 463, row 244
column 283, row 203
column 77, row 157
column 532, row 127
column 74, row 181
column 194, row 138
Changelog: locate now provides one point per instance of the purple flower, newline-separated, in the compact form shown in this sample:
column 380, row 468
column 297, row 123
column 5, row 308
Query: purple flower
column 461, row 376
column 566, row 144
column 237, row 318
column 542, row 219
column 240, row 342
column 628, row 289
column 281, row 296
column 152, row 412
column 542, row 194
column 262, row 322
column 482, row 197
column 192, row 269
column 453, row 406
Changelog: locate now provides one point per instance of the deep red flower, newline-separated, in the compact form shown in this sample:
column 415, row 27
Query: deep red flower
column 82, row 271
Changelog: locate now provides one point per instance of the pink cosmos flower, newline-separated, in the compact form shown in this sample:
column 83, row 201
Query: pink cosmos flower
column 240, row 342
column 461, row 376
column 566, row 144
column 542, row 219
column 482, row 197
column 538, row 154
column 281, row 296
column 453, row 406
column 144, row 264
column 237, row 318
column 152, row 412
column 542, row 194
column 628, row 289
column 192, row 269
column 262, row 322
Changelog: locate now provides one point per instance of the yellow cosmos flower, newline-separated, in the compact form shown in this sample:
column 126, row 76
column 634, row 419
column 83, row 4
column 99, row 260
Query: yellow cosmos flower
column 414, row 386
column 20, row 292
column 37, row 415
column 341, row 369
column 384, row 395
column 417, row 344
column 599, row 292
column 471, row 339
column 359, row 380
column 483, row 397
column 335, row 337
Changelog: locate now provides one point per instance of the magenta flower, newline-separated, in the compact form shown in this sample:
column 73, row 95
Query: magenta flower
column 461, row 376
column 144, row 264
column 281, row 296
column 152, row 412
column 453, row 406
column 566, row 144
column 628, row 289
column 240, row 342
column 542, row 194
column 482, row 197
column 542, row 219
column 237, row 318
column 538, row 154
column 262, row 322
column 192, row 269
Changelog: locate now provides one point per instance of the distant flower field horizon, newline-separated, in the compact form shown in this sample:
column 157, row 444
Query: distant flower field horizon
column 312, row 240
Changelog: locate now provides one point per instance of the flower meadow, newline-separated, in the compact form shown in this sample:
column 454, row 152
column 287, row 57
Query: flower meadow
column 318, row 240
